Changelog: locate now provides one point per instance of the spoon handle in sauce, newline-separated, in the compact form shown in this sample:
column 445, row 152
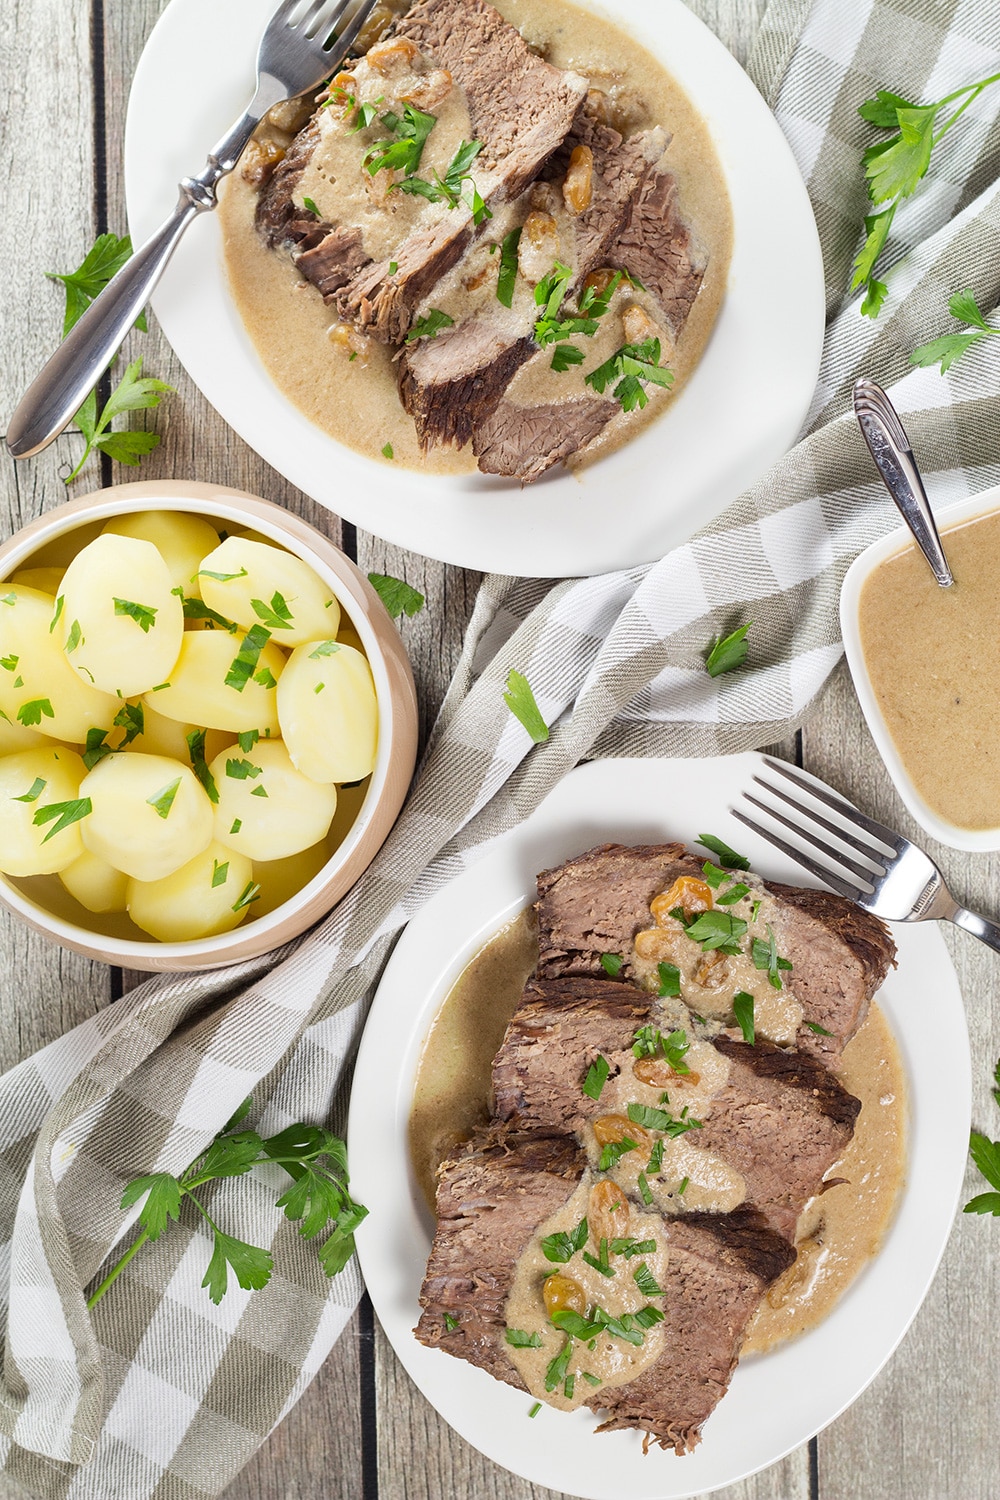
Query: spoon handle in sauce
column 890, row 448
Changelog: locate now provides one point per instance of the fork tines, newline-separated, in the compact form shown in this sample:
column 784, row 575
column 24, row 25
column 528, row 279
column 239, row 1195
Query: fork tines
column 855, row 878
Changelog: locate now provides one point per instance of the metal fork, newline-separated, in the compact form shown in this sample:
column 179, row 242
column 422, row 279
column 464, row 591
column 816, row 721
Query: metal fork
column 299, row 49
column 890, row 877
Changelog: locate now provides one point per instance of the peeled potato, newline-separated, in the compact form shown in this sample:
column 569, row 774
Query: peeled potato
column 212, row 893
column 38, row 687
column 258, row 584
column 46, row 778
column 45, row 580
column 150, row 814
column 281, row 879
column 266, row 808
column 181, row 539
column 197, row 692
column 328, row 712
column 14, row 737
column 96, row 885
column 348, row 636
column 121, row 625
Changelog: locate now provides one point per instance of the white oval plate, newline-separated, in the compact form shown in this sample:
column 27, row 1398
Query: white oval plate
column 776, row 1401
column 739, row 413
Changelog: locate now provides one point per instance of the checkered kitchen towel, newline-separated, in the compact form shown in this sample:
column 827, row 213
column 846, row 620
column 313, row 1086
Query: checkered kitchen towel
column 162, row 1394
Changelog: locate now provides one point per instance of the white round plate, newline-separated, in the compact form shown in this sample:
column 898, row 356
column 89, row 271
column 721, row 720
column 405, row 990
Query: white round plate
column 739, row 413
column 776, row 1401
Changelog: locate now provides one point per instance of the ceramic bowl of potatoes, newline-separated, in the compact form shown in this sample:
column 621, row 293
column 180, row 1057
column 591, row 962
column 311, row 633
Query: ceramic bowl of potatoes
column 207, row 725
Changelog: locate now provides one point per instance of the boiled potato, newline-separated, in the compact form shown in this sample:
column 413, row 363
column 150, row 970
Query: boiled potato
column 212, row 893
column 45, row 580
column 121, row 625
column 14, row 737
column 328, row 712
column 38, row 687
column 348, row 636
column 258, row 584
column 150, row 814
column 96, row 885
column 281, row 879
column 32, row 783
column 182, row 540
column 159, row 735
column 266, row 808
column 197, row 692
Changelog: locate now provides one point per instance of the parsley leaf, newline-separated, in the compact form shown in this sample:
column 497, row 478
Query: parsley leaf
column 403, row 152
column 64, row 812
column 566, row 355
column 276, row 615
column 613, row 1151
column 819, row 1030
column 561, row 1247
column 309, row 205
column 612, row 963
column 325, row 648
column 220, row 873
column 743, row 1011
column 597, row 1077
column 728, row 652
column 507, row 277
column 728, row 858
column 251, row 1264
column 520, row 699
column 630, row 367
column 429, row 327
column 199, row 765
column 162, row 1204
column 387, row 451
column 245, row 662
column 130, row 717
column 242, row 770
column 397, row 596
column 133, row 393
column 646, row 1281
column 765, row 956
column 142, row 614
column 670, row 980
column 717, row 929
column 945, row 351
column 517, row 1338
column 103, row 260
column 31, row 713
column 34, row 791
column 162, row 801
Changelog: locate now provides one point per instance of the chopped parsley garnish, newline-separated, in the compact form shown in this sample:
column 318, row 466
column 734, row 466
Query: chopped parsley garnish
column 714, row 875
column 220, row 873
column 393, row 267
column 535, row 1409
column 276, row 615
column 728, row 652
column 448, row 189
column 387, row 451
column 682, row 1188
column 429, row 327
column 520, row 699
column 222, row 577
column 565, row 356
column 600, row 1263
column 259, row 791
column 945, row 351
column 265, row 678
column 717, row 929
column 612, row 964
column 507, row 277
column 655, row 1163
column 9, row 663
column 237, row 825
column 597, row 1077
column 310, row 207
column 96, row 747
column 517, row 1338
column 591, row 1379
column 578, row 1327
column 74, row 638
column 646, row 1281
column 162, row 801
column 244, row 664
column 819, row 1030
column 398, row 597
column 319, row 687
column 569, row 1386
column 628, row 369
column 65, row 813
column 649, row 1041
column 242, row 770
column 670, row 980
column 34, row 791
column 556, row 1372
column 743, row 1011
column 765, row 956
column 648, row 1316
column 325, row 648
column 199, row 765
column 403, row 152
column 450, row 1323
column 651, row 1118
column 11, row 599
column 32, row 712
column 629, row 1246
column 142, row 614
column 562, row 1247
column 613, row 1151
column 733, row 894
column 132, row 719
column 250, row 893
column 644, row 1189
column 621, row 1328
column 727, row 857
column 247, row 739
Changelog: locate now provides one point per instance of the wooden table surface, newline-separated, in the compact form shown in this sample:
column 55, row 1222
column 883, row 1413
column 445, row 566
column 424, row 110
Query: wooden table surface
column 925, row 1429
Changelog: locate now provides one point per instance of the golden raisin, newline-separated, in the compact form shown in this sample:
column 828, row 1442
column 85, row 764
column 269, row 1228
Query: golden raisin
column 654, row 943
column 639, row 326
column 658, row 1073
column 393, row 57
column 560, row 1292
column 599, row 106
column 607, row 1211
column 610, row 1129
column 578, row 187
column 712, row 970
column 259, row 161
column 539, row 248
column 690, row 894
column 346, row 338
column 600, row 280
column 428, row 89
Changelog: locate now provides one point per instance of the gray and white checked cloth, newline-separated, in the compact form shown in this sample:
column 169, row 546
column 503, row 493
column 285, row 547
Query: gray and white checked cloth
column 161, row 1394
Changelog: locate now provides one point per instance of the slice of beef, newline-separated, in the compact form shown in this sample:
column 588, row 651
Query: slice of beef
column 278, row 218
column 719, row 1269
column 598, row 902
column 490, row 1201
column 329, row 257
column 656, row 247
column 524, row 442
column 452, row 385
column 521, row 109
column 781, row 1119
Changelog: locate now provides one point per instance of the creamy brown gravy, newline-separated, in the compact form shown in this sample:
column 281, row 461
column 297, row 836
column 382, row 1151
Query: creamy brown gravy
column 839, row 1230
column 932, row 662
column 357, row 404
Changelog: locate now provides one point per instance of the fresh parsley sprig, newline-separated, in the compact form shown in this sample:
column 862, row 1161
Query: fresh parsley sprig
column 895, row 166
column 103, row 260
column 945, row 351
column 403, row 151
column 520, row 699
column 318, row 1199
column 448, row 189
column 630, row 369
column 430, row 326
column 728, row 652
column 398, row 596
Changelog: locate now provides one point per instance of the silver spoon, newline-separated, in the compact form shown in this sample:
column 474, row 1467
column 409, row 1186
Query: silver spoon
column 890, row 448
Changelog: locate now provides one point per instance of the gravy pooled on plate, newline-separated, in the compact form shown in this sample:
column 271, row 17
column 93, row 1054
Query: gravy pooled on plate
column 932, row 658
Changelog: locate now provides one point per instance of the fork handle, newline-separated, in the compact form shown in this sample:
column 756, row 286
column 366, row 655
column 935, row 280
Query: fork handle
column 981, row 927
column 58, row 392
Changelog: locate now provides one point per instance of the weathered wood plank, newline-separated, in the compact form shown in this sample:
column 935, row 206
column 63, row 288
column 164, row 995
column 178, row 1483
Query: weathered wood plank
column 941, row 1384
